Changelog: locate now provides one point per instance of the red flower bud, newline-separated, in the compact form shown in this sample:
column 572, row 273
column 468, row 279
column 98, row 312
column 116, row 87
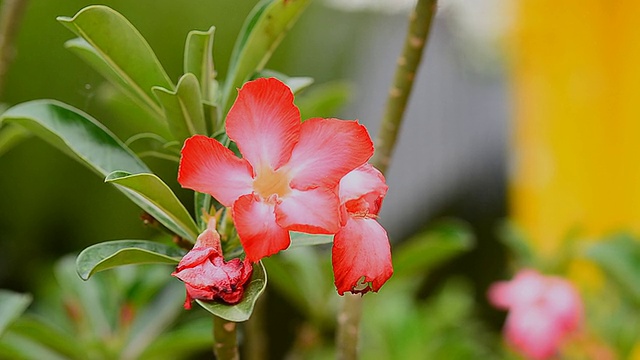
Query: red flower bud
column 207, row 276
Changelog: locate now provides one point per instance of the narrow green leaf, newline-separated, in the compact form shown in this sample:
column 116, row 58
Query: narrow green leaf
column 12, row 305
column 202, row 205
column 185, row 342
column 76, row 134
column 261, row 33
column 183, row 108
column 299, row 239
column 295, row 83
column 241, row 311
column 13, row 346
column 163, row 203
column 110, row 254
column 90, row 55
column 431, row 248
column 11, row 136
column 47, row 335
column 198, row 60
column 620, row 259
column 121, row 46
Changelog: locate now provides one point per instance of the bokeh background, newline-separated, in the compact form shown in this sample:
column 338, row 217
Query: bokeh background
column 524, row 112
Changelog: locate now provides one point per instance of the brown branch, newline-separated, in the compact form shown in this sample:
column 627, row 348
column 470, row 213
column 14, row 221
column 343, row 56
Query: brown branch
column 10, row 17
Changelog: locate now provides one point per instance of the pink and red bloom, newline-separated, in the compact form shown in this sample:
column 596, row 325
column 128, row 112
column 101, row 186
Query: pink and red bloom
column 543, row 311
column 361, row 254
column 295, row 176
column 207, row 276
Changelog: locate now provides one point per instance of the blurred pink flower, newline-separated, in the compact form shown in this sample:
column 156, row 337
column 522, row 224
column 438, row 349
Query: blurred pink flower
column 207, row 276
column 287, row 177
column 361, row 254
column 543, row 311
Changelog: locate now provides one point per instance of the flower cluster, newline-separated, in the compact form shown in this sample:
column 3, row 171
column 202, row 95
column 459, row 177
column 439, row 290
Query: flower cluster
column 543, row 311
column 309, row 176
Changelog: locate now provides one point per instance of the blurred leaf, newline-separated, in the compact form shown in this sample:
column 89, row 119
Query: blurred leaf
column 299, row 239
column 295, row 83
column 262, row 32
column 12, row 305
column 182, row 342
column 110, row 254
column 323, row 100
column 10, row 136
column 183, row 108
column 198, row 60
column 123, row 48
column 162, row 203
column 619, row 257
column 515, row 239
column 429, row 249
column 18, row 347
column 154, row 121
column 154, row 319
column 241, row 311
column 54, row 338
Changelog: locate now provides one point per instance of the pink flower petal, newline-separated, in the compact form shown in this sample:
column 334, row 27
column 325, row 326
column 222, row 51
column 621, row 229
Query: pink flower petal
column 533, row 333
column 259, row 233
column 362, row 191
column 264, row 122
column 361, row 249
column 314, row 211
column 328, row 149
column 208, row 167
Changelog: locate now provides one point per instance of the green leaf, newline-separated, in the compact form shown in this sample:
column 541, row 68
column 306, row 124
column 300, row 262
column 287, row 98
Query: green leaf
column 76, row 134
column 12, row 305
column 111, row 254
column 183, row 108
column 50, row 336
column 323, row 100
column 241, row 311
column 123, row 48
column 11, row 136
column 198, row 60
column 295, row 83
column 299, row 239
column 261, row 33
column 154, row 121
column 427, row 250
column 202, row 204
column 162, row 203
column 620, row 259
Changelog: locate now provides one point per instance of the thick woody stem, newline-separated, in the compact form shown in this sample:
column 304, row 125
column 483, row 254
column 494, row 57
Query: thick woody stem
column 10, row 17
column 407, row 66
column 225, row 343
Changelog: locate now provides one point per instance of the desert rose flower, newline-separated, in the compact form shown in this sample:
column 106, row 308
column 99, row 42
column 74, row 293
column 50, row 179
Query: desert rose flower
column 289, row 170
column 207, row 276
column 361, row 254
column 543, row 311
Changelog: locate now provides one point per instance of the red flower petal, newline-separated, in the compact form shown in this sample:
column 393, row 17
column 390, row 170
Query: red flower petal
column 328, row 149
column 314, row 211
column 264, row 122
column 361, row 249
column 208, row 167
column 259, row 233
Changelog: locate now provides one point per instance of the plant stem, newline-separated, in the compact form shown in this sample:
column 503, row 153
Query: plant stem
column 407, row 66
column 225, row 343
column 10, row 17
